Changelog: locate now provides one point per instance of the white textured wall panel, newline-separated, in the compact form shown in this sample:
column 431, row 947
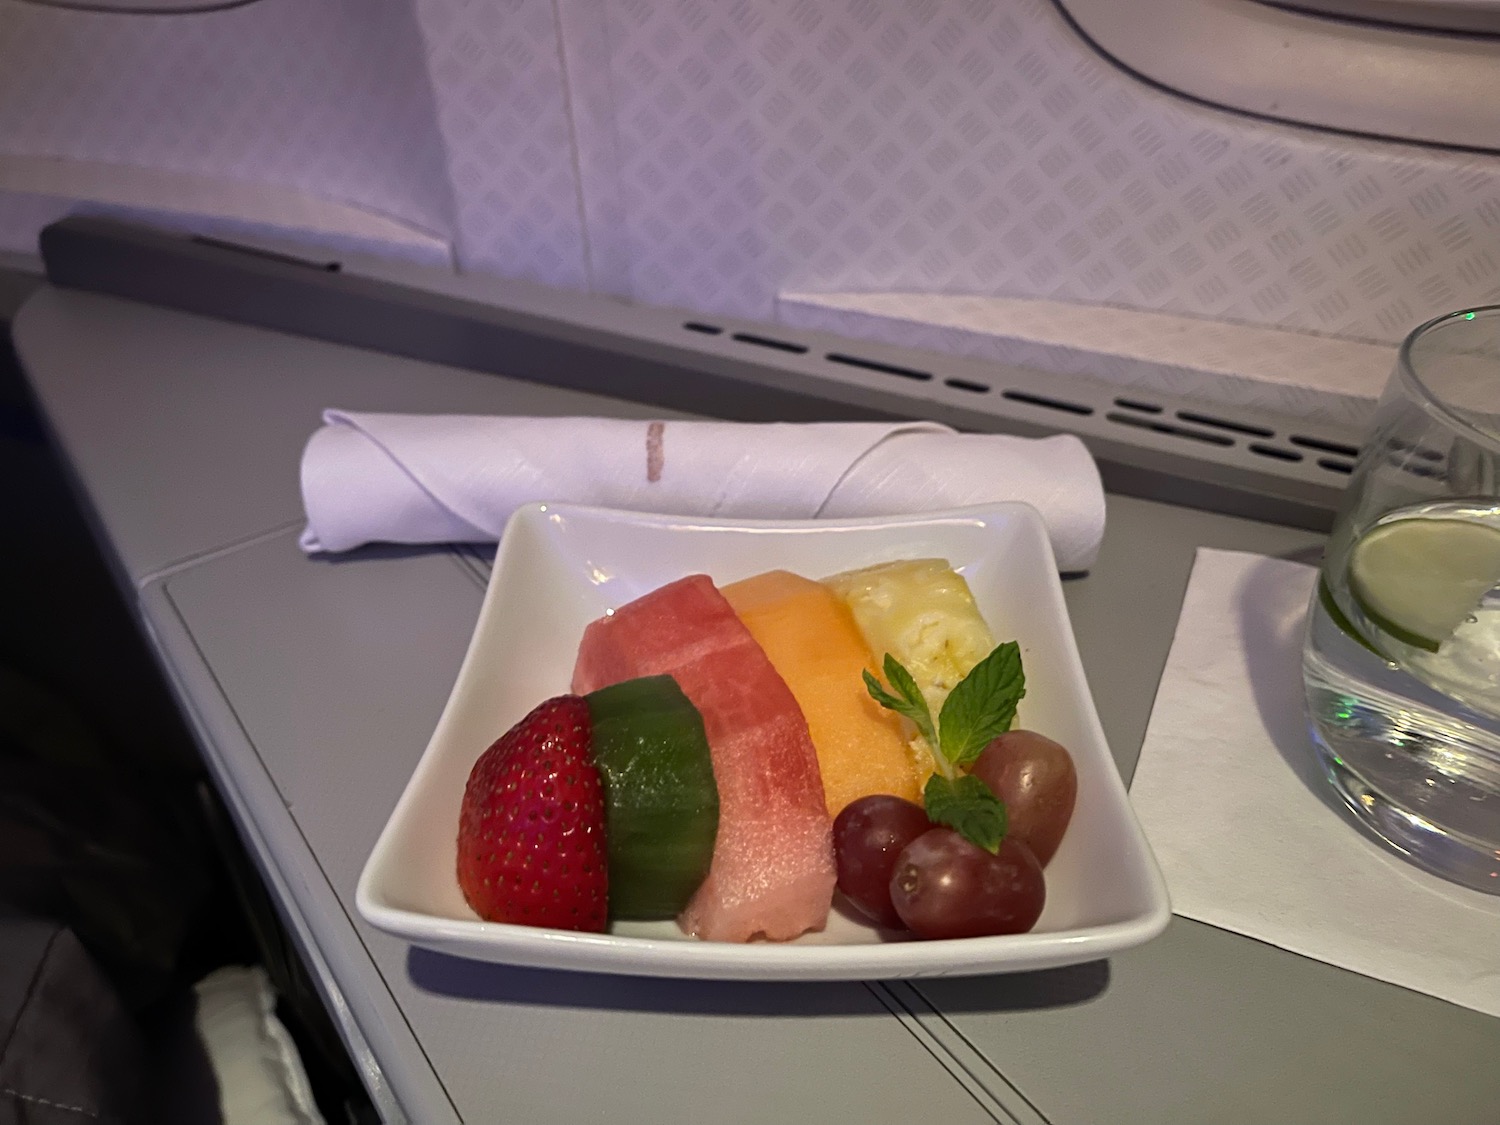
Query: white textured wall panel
column 976, row 146
column 712, row 155
column 502, row 106
column 331, row 99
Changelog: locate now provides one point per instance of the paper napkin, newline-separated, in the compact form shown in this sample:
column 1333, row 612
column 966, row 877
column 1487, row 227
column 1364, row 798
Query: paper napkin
column 1246, row 834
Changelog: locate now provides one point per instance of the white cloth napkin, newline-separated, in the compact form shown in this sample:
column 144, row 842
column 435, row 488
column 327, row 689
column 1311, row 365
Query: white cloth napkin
column 410, row 478
column 1231, row 800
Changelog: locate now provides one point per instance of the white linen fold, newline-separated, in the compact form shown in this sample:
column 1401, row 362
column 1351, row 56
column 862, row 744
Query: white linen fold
column 411, row 478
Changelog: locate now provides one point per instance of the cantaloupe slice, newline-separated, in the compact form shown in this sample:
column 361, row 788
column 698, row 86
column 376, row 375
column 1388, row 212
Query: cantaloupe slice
column 812, row 641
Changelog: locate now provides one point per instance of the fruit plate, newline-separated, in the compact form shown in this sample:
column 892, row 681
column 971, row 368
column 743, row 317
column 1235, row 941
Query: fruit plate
column 558, row 567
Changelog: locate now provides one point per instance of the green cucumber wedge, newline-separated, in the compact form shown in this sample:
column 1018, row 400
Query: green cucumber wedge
column 661, row 804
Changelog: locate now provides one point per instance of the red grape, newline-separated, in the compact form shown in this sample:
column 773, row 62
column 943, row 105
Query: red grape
column 945, row 887
column 1035, row 778
column 868, row 835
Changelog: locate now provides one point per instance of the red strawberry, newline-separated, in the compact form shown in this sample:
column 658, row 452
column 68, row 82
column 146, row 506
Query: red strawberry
column 531, row 833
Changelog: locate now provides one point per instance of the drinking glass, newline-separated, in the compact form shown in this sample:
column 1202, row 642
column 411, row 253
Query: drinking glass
column 1402, row 659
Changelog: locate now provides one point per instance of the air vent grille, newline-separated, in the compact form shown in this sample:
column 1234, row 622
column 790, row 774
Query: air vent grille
column 1147, row 442
column 1283, row 446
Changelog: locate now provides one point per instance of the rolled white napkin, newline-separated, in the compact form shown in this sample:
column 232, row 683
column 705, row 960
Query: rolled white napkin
column 413, row 478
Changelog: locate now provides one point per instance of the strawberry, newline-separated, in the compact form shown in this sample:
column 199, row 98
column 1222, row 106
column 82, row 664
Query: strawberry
column 531, row 832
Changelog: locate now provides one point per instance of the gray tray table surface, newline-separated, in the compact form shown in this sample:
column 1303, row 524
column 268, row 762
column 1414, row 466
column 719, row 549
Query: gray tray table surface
column 313, row 685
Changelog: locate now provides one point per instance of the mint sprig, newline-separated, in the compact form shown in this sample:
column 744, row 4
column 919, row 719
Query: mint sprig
column 908, row 699
column 982, row 706
column 967, row 805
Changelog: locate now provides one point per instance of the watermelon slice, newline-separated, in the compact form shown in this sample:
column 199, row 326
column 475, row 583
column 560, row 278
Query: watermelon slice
column 772, row 873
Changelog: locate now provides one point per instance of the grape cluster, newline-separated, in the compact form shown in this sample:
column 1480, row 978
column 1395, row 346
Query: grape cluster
column 903, row 872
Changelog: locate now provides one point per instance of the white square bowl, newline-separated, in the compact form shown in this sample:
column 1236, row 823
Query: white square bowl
column 559, row 567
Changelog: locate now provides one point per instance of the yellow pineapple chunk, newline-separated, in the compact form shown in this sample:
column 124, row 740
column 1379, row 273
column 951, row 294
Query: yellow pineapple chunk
column 922, row 612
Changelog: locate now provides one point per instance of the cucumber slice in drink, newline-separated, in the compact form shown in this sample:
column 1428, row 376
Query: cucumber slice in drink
column 661, row 805
column 1417, row 580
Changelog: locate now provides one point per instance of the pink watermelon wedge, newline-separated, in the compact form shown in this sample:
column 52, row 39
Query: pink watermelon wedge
column 772, row 872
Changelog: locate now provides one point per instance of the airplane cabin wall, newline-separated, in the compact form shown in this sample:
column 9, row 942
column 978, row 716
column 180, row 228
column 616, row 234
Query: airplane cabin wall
column 728, row 157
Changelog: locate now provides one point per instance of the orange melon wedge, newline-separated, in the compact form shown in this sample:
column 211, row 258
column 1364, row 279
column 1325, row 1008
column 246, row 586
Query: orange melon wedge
column 809, row 635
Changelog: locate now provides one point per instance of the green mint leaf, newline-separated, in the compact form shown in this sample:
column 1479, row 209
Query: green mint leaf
column 983, row 704
column 902, row 680
column 908, row 701
column 966, row 805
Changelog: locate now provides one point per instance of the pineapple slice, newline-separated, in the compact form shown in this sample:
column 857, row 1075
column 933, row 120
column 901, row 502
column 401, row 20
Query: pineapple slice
column 922, row 612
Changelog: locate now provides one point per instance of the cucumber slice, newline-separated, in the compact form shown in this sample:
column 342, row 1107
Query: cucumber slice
column 661, row 804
